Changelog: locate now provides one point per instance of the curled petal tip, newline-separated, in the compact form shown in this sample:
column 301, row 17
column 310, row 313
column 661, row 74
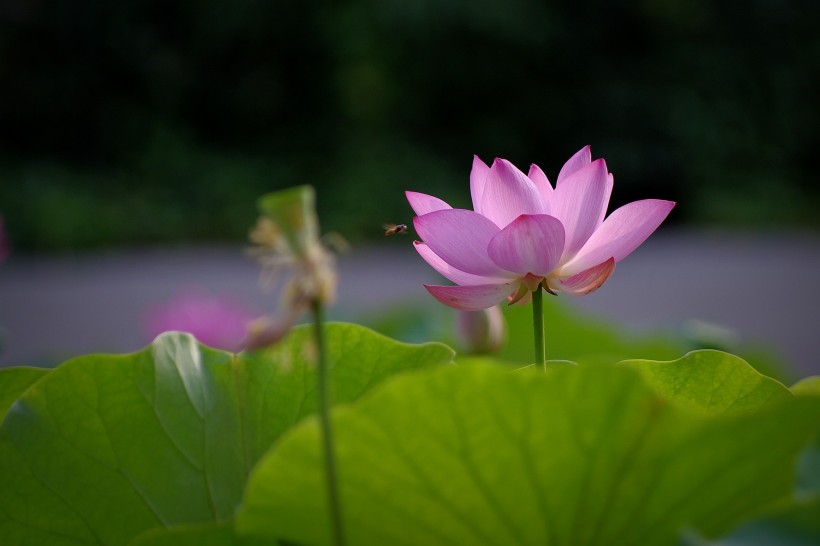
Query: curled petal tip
column 477, row 161
column 587, row 281
column 421, row 203
column 579, row 159
column 470, row 298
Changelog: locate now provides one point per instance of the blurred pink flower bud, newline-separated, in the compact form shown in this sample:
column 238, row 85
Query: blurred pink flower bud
column 219, row 322
column 482, row 332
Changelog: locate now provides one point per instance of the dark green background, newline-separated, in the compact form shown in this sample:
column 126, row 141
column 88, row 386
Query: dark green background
column 158, row 121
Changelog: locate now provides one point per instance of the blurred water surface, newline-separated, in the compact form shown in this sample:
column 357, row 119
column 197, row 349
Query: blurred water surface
column 762, row 287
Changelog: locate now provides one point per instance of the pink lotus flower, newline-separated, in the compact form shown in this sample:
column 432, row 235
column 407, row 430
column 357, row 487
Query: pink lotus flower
column 524, row 234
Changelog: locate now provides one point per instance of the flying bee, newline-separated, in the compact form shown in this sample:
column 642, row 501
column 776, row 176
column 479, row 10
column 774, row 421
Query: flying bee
column 394, row 229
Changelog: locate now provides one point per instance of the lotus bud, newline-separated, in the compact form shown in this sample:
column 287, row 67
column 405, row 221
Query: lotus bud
column 482, row 332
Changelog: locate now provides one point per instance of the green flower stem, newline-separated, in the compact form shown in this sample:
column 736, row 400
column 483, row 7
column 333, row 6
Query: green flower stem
column 538, row 327
column 324, row 422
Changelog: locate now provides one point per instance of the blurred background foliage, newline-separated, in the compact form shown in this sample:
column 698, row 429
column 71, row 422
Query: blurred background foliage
column 574, row 337
column 146, row 121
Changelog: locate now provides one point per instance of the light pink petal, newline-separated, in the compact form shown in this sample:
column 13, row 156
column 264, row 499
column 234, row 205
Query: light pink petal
column 471, row 298
column 478, row 176
column 423, row 203
column 578, row 204
column 621, row 233
column 610, row 182
column 525, row 300
column 586, row 281
column 530, row 244
column 451, row 273
column 542, row 183
column 581, row 159
column 460, row 238
column 508, row 193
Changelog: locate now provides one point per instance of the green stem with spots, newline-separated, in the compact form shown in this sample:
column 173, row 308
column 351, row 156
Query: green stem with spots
column 538, row 327
column 324, row 422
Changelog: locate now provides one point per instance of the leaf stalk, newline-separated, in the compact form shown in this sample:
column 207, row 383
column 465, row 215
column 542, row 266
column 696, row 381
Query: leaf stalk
column 323, row 389
column 538, row 328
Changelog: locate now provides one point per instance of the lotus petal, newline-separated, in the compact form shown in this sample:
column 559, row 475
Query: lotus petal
column 424, row 204
column 610, row 182
column 621, row 233
column 509, row 193
column 586, row 281
column 478, row 177
column 578, row 203
column 460, row 238
column 580, row 159
column 542, row 183
column 530, row 244
column 449, row 272
column 471, row 298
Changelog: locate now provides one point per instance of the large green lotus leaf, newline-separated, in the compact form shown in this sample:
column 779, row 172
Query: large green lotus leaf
column 796, row 523
column 358, row 358
column 106, row 447
column 712, row 381
column 477, row 455
column 14, row 382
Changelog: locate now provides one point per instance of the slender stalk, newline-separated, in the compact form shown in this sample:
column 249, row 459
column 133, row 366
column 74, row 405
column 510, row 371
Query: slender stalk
column 324, row 422
column 538, row 327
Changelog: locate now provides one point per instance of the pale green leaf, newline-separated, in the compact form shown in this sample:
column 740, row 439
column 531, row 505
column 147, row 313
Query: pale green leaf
column 711, row 381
